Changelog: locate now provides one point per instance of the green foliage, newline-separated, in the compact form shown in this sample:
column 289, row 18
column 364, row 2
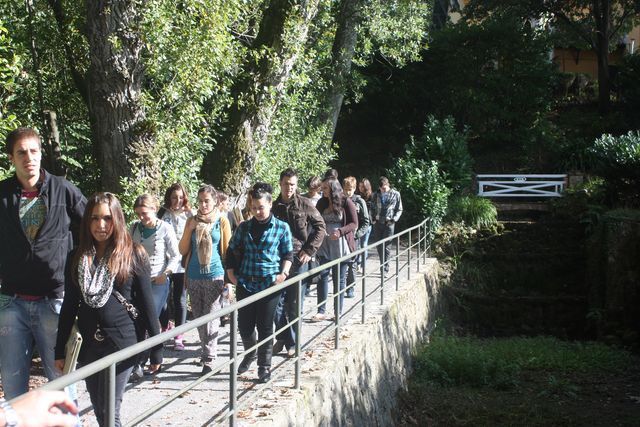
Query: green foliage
column 615, row 156
column 453, row 239
column 580, row 200
column 424, row 192
column 617, row 159
column 194, row 54
column 629, row 83
column 500, row 91
column 442, row 142
column 475, row 211
column 10, row 64
column 434, row 166
column 395, row 28
column 498, row 363
column 294, row 143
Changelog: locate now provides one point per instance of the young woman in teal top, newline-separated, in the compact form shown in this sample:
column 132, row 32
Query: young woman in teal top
column 205, row 241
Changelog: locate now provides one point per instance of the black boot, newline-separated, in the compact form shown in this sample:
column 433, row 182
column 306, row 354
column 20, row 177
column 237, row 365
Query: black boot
column 250, row 357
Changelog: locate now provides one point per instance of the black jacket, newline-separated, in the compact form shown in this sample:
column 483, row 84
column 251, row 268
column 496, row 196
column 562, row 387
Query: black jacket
column 38, row 269
column 306, row 223
column 113, row 317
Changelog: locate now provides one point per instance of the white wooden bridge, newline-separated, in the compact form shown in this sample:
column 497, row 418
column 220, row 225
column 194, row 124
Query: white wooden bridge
column 521, row 185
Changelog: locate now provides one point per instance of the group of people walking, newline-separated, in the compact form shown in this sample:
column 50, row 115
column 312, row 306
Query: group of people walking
column 66, row 259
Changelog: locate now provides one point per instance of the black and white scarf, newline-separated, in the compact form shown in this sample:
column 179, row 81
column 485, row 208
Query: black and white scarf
column 96, row 286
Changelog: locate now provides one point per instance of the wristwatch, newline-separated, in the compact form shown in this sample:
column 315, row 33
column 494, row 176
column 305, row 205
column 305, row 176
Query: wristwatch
column 11, row 418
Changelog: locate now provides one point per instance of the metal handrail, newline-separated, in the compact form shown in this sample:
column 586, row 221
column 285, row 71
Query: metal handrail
column 109, row 362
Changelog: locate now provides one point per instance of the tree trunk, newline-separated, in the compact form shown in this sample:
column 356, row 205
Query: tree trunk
column 114, row 83
column 283, row 31
column 602, row 15
column 342, row 51
column 52, row 144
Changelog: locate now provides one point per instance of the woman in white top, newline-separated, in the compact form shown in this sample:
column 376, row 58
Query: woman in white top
column 175, row 211
column 160, row 242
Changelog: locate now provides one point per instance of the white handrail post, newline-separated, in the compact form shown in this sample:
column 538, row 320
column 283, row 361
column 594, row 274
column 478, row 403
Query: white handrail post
column 419, row 244
column 409, row 258
column 382, row 265
column 111, row 395
column 298, row 334
column 364, row 288
column 233, row 368
column 336, row 303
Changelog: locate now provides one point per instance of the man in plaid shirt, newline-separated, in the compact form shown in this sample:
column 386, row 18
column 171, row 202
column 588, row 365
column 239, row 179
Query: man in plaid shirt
column 260, row 252
column 260, row 264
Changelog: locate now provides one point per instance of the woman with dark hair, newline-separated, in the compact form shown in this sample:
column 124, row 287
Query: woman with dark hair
column 204, row 243
column 365, row 191
column 341, row 221
column 105, row 275
column 260, row 255
column 176, row 211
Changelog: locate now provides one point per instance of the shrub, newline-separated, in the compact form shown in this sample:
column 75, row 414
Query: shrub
column 423, row 190
column 433, row 166
column 474, row 211
column 442, row 142
column 617, row 159
column 629, row 84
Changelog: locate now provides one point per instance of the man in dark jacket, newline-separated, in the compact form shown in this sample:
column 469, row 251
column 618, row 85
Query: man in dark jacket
column 37, row 214
column 308, row 230
column 387, row 209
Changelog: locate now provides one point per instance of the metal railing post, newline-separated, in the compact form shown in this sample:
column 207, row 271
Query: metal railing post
column 382, row 267
column 409, row 258
column 364, row 289
column 397, row 263
column 419, row 244
column 233, row 368
column 336, row 303
column 298, row 335
column 426, row 243
column 111, row 395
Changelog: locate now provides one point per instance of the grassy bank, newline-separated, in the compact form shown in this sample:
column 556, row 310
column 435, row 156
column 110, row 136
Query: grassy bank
column 539, row 381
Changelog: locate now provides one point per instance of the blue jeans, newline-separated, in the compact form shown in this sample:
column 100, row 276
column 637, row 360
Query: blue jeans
column 339, row 283
column 287, row 308
column 160, row 294
column 21, row 324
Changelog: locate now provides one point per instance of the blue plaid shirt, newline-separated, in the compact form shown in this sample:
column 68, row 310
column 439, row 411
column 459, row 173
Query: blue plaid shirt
column 261, row 259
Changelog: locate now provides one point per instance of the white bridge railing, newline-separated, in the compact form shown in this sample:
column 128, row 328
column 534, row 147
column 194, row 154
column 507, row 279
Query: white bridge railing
column 521, row 185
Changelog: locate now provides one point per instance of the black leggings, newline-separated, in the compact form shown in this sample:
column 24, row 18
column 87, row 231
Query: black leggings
column 178, row 295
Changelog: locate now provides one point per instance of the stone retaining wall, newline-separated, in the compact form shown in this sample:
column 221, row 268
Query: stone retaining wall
column 358, row 384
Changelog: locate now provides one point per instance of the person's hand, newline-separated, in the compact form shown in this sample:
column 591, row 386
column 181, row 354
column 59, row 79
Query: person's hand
column 59, row 364
column 335, row 235
column 303, row 257
column 190, row 225
column 160, row 279
column 40, row 408
column 280, row 278
column 230, row 293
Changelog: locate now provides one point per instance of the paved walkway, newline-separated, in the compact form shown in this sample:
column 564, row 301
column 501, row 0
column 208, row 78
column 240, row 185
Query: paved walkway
column 206, row 404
